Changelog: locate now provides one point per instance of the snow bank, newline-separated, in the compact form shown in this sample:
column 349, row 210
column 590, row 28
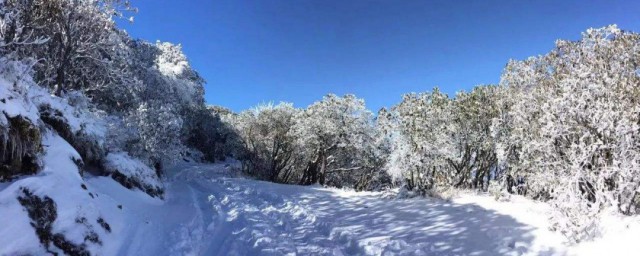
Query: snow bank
column 13, row 89
column 20, row 97
column 616, row 234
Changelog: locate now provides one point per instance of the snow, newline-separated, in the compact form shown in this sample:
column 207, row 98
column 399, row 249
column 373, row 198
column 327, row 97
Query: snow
column 13, row 104
column 210, row 210
column 16, row 235
column 172, row 62
column 618, row 237
column 221, row 214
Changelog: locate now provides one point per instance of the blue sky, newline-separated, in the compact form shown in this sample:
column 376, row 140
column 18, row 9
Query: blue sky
column 299, row 50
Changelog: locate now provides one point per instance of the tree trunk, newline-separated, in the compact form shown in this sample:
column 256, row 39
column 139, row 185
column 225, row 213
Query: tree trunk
column 310, row 175
column 323, row 168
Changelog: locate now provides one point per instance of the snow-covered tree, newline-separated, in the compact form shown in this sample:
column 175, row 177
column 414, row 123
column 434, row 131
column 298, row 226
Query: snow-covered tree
column 333, row 134
column 439, row 141
column 74, row 42
column 419, row 142
column 472, row 154
column 268, row 142
column 574, row 125
column 376, row 155
column 158, row 127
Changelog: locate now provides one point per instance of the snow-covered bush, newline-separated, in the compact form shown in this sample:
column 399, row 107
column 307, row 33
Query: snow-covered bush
column 418, row 142
column 440, row 142
column 169, row 107
column 159, row 129
column 211, row 133
column 333, row 142
column 573, row 127
column 498, row 191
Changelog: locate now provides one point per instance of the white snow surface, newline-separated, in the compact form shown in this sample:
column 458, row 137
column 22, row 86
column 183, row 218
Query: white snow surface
column 210, row 211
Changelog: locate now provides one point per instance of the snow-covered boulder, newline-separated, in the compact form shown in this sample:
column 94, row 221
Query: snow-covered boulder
column 132, row 173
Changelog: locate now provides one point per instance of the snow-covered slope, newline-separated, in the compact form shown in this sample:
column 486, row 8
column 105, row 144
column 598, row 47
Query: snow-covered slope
column 56, row 208
column 45, row 203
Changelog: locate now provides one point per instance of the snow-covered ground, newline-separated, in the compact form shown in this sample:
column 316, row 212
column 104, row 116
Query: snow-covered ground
column 210, row 211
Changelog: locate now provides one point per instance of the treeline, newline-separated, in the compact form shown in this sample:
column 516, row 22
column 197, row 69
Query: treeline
column 332, row 142
column 562, row 127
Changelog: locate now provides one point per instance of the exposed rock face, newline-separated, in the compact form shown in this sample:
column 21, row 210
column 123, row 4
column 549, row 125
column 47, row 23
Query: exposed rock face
column 20, row 144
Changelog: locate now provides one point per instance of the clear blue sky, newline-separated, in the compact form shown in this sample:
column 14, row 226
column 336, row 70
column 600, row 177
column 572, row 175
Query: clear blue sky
column 299, row 50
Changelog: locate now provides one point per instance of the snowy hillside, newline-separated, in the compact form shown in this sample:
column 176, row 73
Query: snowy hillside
column 55, row 210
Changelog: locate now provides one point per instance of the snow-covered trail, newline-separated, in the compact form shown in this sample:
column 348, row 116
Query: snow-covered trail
column 208, row 212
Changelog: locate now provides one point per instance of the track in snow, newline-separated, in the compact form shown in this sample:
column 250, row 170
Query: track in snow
column 208, row 212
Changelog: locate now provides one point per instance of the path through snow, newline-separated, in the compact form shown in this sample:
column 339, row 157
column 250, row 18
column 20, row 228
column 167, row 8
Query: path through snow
column 208, row 212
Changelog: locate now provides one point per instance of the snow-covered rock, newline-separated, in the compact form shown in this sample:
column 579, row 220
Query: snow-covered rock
column 132, row 173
